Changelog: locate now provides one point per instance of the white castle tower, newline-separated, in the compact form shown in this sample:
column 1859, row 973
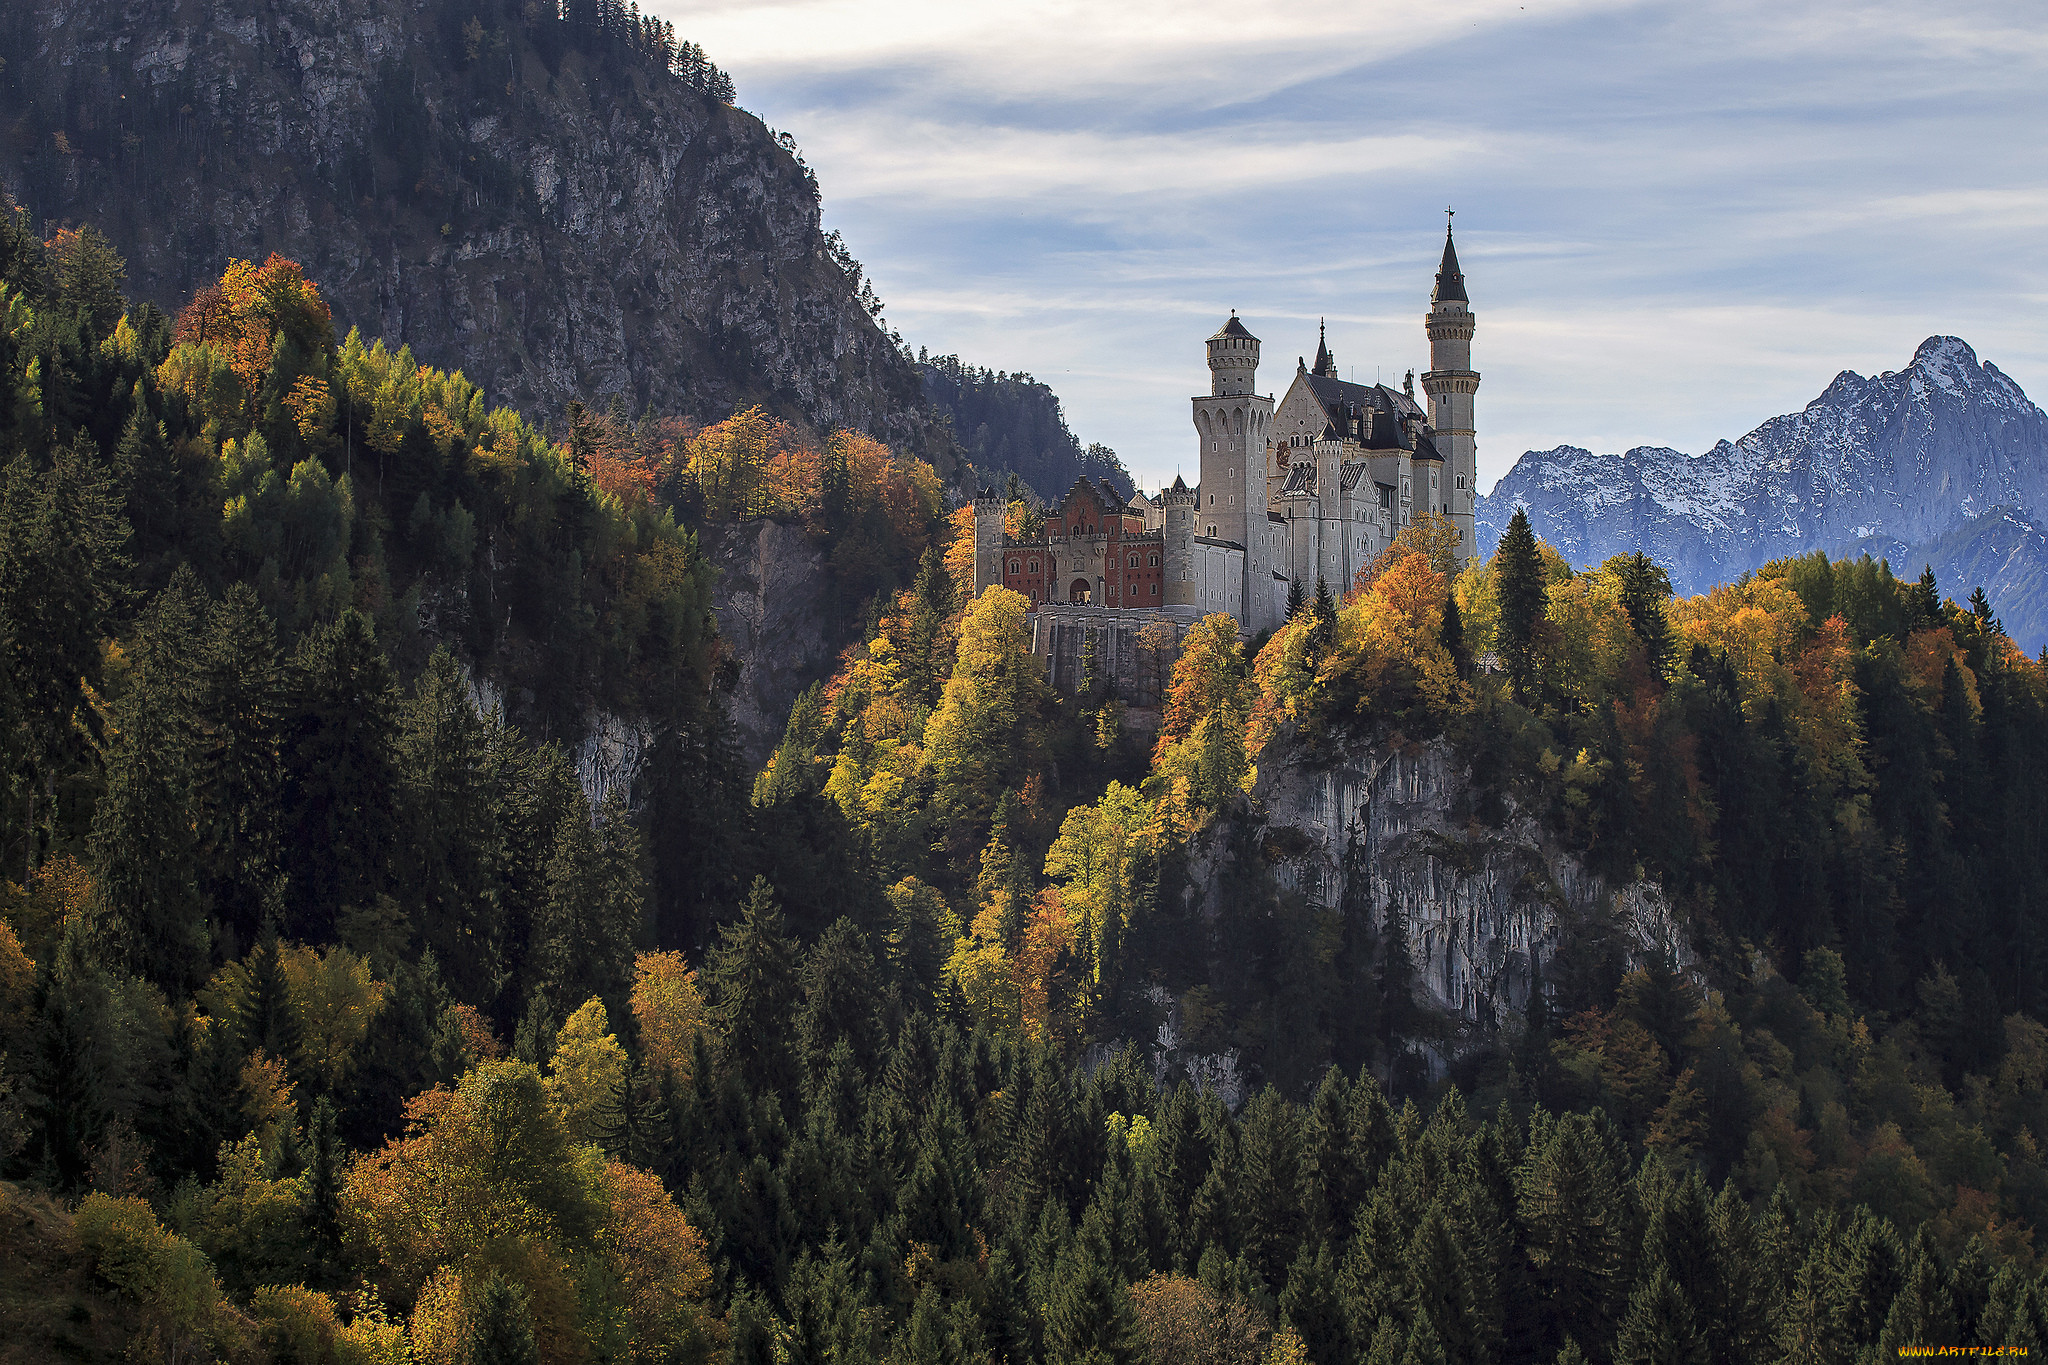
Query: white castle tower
column 1233, row 423
column 1450, row 384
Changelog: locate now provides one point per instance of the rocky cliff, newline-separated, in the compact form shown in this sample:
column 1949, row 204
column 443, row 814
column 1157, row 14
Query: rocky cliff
column 1896, row 462
column 1387, row 826
column 773, row 598
column 530, row 200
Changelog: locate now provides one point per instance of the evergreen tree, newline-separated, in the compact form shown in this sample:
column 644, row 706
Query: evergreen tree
column 149, row 909
column 451, row 841
column 1571, row 1207
column 500, row 1330
column 1295, row 599
column 1452, row 635
column 341, row 787
column 1660, row 1327
column 1322, row 630
column 753, row 992
column 1089, row 1319
column 1644, row 590
column 1309, row 1304
column 842, row 1002
column 240, row 769
column 323, row 1196
column 1524, row 595
column 75, row 1067
column 1269, row 1184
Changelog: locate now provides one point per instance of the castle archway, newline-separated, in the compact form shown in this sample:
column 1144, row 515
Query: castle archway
column 1079, row 592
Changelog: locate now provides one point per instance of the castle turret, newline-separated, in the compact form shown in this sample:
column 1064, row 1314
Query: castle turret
column 989, row 511
column 1450, row 384
column 1177, row 505
column 1234, row 424
column 1233, row 360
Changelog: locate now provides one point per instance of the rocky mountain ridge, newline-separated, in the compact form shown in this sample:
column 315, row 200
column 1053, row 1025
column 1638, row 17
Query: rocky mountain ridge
column 1903, row 463
column 521, row 197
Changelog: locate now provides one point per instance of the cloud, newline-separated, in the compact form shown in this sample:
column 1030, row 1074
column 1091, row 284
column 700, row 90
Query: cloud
column 1678, row 219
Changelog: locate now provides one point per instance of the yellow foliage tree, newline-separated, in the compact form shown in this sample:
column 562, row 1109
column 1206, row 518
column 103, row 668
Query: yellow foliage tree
column 333, row 1000
column 669, row 1010
column 587, row 1073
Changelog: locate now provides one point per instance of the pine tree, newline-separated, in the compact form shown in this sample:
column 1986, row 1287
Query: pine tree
column 323, row 1196
column 1310, row 1305
column 1448, row 1290
column 1524, row 594
column 143, row 833
column 1089, row 1319
column 1923, row 601
column 1322, row 630
column 1268, row 1187
column 1295, row 600
column 752, row 984
column 500, row 1331
column 1644, row 590
column 341, row 788
column 1660, row 1327
column 452, row 849
column 74, row 1064
column 842, row 1001
column 240, row 768
column 1571, row 1206
column 1452, row 635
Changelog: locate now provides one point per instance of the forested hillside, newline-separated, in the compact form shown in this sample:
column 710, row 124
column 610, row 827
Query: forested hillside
column 1012, row 424
column 346, row 1021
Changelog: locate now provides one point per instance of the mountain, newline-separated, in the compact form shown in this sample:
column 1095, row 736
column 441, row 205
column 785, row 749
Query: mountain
column 1906, row 463
column 544, row 203
column 1012, row 424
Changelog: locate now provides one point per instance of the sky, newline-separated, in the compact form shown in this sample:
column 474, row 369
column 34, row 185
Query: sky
column 1676, row 220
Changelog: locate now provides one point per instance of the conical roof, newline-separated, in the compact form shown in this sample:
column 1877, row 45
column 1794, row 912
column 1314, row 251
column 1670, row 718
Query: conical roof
column 1232, row 328
column 1326, row 364
column 1450, row 281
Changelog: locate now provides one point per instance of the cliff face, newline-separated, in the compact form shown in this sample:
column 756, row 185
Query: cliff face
column 525, row 199
column 773, row 596
column 1383, row 825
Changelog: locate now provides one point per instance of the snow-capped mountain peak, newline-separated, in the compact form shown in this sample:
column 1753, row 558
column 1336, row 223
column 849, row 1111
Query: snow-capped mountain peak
column 1905, row 457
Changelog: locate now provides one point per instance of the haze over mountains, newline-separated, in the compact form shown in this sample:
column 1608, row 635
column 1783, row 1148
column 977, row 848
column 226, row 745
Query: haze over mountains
column 1942, row 463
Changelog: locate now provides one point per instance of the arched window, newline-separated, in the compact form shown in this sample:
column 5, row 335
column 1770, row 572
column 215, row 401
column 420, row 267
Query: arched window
column 1155, row 590
column 1034, row 566
column 1154, row 561
column 1134, row 561
column 1014, row 568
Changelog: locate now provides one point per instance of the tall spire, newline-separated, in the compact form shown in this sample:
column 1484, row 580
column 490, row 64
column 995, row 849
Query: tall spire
column 1450, row 281
column 1326, row 364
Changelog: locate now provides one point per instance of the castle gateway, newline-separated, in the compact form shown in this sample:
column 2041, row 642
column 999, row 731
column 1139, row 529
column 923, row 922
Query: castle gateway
column 1304, row 492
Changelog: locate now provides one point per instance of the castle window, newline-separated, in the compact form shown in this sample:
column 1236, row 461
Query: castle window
column 1155, row 590
column 1154, row 561
column 1015, row 567
column 1461, row 481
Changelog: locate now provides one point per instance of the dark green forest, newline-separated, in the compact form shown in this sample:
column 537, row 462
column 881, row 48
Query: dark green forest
column 1012, row 424
column 348, row 1018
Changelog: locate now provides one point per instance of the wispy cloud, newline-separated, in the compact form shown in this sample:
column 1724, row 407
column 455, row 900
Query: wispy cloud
column 1678, row 219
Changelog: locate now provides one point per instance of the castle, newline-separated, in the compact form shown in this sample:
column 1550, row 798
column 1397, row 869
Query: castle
column 1304, row 491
